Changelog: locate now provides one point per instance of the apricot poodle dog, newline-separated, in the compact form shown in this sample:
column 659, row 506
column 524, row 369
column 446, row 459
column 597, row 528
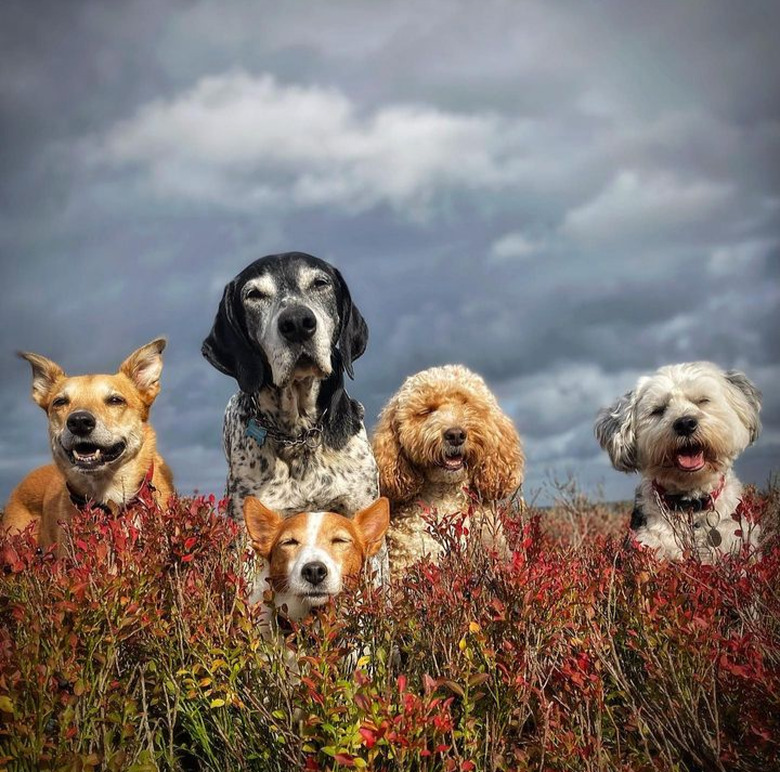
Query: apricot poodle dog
column 442, row 441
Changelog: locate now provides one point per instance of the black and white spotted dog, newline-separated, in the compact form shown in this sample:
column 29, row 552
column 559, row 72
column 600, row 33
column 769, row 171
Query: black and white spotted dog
column 287, row 331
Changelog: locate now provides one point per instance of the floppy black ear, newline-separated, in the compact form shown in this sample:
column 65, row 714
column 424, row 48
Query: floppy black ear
column 353, row 333
column 228, row 346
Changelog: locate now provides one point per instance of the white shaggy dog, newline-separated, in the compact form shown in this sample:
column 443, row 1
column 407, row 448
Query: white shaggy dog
column 682, row 428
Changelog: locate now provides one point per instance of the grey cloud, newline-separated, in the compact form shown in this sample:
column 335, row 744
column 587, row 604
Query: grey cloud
column 636, row 147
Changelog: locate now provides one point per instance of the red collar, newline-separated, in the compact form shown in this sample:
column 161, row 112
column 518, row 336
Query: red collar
column 145, row 494
column 679, row 502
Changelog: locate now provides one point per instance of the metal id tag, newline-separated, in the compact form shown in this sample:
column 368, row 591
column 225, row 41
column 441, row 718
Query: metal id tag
column 256, row 432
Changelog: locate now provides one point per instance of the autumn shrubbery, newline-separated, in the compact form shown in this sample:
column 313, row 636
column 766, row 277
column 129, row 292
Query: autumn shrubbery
column 136, row 651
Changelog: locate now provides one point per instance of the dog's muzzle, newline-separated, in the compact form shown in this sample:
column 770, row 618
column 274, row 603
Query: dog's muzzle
column 453, row 458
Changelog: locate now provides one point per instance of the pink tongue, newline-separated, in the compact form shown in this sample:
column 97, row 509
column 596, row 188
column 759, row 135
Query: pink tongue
column 694, row 461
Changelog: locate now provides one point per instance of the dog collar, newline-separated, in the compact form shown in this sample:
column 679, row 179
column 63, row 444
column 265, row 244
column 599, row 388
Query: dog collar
column 260, row 428
column 145, row 494
column 679, row 502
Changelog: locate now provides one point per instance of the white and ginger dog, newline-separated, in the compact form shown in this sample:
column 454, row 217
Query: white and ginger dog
column 682, row 429
column 441, row 438
column 311, row 557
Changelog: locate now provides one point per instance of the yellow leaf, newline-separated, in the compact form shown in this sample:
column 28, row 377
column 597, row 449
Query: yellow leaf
column 6, row 706
column 474, row 627
column 218, row 703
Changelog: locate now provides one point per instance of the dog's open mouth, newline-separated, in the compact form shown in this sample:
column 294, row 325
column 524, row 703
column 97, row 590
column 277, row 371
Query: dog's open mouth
column 690, row 458
column 87, row 455
column 307, row 367
column 453, row 463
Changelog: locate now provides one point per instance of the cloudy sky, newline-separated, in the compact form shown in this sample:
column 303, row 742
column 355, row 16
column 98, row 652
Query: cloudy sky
column 559, row 195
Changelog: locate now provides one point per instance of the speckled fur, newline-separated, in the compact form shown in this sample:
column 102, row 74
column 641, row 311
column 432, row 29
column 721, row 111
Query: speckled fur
column 293, row 480
column 340, row 473
column 410, row 447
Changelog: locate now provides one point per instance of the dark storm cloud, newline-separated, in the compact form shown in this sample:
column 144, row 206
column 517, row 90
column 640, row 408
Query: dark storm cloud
column 561, row 197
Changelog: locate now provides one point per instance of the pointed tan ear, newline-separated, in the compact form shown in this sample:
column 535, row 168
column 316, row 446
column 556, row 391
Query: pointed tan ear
column 262, row 525
column 143, row 367
column 372, row 522
column 46, row 374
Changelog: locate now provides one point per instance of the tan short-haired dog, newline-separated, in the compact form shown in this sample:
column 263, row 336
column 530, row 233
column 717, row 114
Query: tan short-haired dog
column 104, row 449
column 310, row 557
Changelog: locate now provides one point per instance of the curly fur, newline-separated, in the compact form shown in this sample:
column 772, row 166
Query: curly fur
column 412, row 451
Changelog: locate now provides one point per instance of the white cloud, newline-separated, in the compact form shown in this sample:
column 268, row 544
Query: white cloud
column 245, row 141
column 515, row 245
column 645, row 205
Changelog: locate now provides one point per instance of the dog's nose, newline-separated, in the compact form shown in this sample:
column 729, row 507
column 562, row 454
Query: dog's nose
column 455, row 435
column 686, row 425
column 297, row 324
column 80, row 423
column 314, row 572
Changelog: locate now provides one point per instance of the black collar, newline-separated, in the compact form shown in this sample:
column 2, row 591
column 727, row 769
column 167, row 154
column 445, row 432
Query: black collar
column 679, row 502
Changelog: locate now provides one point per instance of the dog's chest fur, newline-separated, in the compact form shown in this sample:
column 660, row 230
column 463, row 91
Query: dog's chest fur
column 408, row 538
column 294, row 479
column 671, row 533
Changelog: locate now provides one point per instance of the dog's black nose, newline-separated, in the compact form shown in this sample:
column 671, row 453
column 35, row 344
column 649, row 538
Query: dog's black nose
column 297, row 324
column 80, row 423
column 455, row 435
column 314, row 572
column 686, row 425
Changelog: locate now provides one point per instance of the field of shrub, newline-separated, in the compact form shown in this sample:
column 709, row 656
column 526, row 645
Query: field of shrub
column 137, row 651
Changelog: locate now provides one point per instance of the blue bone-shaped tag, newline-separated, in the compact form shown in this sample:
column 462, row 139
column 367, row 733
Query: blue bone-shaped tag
column 256, row 432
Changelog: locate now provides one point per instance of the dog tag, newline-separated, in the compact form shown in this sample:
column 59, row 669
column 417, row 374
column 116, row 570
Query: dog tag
column 714, row 537
column 256, row 432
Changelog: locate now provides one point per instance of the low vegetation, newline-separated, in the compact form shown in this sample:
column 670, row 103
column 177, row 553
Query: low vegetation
column 137, row 651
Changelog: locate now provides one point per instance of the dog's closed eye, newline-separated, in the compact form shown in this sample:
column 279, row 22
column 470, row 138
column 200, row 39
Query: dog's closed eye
column 60, row 402
column 660, row 410
column 255, row 294
column 115, row 399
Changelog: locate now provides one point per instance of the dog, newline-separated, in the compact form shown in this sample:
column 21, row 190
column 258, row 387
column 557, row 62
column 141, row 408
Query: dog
column 104, row 449
column 440, row 436
column 287, row 331
column 682, row 428
column 310, row 557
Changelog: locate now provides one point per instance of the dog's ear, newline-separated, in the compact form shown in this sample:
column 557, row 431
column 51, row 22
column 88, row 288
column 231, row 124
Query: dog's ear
column 46, row 374
column 373, row 522
column 500, row 471
column 746, row 401
column 144, row 367
column 228, row 347
column 353, row 330
column 399, row 479
column 262, row 525
column 615, row 429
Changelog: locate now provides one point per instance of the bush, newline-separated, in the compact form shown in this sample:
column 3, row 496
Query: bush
column 136, row 650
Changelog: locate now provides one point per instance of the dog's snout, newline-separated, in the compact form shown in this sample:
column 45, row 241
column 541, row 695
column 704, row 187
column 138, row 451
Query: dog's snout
column 314, row 572
column 455, row 435
column 81, row 422
column 297, row 324
column 686, row 425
